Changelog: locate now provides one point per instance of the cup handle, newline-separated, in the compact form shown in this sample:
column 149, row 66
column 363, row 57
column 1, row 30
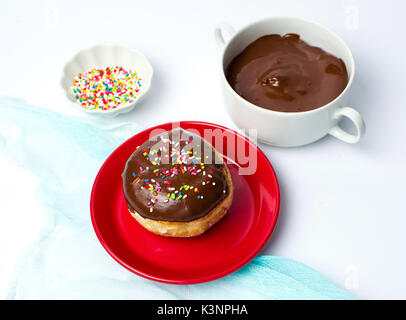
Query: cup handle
column 356, row 118
column 220, row 31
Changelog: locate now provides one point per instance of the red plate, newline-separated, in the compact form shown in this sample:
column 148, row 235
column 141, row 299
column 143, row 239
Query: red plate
column 224, row 248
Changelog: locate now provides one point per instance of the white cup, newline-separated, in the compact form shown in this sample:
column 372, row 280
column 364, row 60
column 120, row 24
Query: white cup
column 286, row 129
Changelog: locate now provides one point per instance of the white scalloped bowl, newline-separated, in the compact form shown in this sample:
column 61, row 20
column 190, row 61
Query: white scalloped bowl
column 102, row 56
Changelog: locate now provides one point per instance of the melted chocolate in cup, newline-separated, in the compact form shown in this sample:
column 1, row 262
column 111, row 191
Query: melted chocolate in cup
column 284, row 73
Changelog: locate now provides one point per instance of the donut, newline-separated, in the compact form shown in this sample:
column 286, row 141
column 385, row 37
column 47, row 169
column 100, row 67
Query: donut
column 176, row 184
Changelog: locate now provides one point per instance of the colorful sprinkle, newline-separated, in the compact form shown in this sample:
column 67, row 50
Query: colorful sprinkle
column 107, row 88
column 183, row 162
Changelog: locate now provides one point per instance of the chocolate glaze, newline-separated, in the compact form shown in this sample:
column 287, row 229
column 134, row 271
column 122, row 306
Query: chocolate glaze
column 166, row 178
column 284, row 73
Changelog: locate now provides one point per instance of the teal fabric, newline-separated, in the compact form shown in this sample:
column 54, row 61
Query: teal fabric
column 67, row 262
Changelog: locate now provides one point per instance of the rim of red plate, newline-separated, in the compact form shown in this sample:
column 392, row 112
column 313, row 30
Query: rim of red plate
column 214, row 276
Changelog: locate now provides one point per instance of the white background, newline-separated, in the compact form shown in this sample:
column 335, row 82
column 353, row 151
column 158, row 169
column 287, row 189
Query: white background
column 343, row 208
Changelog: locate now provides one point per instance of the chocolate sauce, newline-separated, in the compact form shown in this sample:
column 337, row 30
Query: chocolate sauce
column 284, row 73
column 175, row 176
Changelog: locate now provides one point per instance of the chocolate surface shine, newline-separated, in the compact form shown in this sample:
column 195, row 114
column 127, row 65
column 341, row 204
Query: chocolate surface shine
column 284, row 73
column 167, row 179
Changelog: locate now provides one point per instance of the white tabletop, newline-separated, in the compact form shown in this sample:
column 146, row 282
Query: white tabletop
column 343, row 208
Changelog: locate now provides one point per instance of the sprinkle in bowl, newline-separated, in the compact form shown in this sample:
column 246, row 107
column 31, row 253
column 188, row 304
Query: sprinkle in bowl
column 106, row 79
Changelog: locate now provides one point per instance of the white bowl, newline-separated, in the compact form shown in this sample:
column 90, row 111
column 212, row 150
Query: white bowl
column 102, row 56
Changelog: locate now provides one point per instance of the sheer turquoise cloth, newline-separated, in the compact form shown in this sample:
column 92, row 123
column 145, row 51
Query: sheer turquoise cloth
column 67, row 261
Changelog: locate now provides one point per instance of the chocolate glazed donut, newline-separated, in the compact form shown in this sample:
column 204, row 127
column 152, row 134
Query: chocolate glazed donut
column 176, row 184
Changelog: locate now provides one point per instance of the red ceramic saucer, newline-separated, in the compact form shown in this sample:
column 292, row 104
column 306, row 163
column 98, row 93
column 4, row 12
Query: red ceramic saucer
column 221, row 250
